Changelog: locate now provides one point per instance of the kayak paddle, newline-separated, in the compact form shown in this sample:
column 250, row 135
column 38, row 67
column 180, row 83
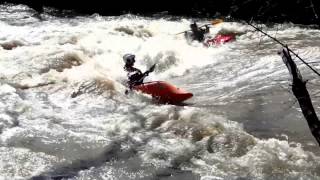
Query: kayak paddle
column 213, row 22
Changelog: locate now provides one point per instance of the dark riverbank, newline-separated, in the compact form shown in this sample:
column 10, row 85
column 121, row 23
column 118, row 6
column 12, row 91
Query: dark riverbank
column 296, row 11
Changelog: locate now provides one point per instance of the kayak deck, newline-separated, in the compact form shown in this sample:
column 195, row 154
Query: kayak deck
column 164, row 92
column 220, row 39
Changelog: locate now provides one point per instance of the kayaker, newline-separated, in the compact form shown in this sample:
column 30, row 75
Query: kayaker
column 198, row 33
column 135, row 76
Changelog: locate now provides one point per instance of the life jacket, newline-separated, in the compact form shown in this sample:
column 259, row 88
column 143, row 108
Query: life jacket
column 134, row 76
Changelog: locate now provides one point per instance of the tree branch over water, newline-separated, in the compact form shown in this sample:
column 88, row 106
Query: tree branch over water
column 301, row 93
column 299, row 86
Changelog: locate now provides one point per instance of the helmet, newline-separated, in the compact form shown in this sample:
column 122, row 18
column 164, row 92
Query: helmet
column 193, row 25
column 129, row 58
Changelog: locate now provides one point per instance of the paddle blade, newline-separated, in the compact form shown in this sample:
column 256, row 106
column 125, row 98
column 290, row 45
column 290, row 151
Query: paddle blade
column 216, row 21
column 152, row 68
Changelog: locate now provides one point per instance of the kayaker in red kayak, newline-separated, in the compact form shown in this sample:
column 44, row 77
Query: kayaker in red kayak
column 197, row 33
column 135, row 76
column 161, row 91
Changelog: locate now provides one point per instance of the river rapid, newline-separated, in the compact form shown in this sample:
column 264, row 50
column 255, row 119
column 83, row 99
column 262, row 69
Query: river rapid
column 243, row 122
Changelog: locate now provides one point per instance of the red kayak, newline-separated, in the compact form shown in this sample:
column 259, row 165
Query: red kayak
column 220, row 39
column 164, row 92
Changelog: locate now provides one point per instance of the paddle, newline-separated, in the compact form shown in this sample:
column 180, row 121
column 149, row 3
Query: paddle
column 213, row 22
column 151, row 69
column 145, row 74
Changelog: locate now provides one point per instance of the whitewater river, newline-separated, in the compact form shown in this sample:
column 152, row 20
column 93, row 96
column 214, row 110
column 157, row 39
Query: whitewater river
column 242, row 123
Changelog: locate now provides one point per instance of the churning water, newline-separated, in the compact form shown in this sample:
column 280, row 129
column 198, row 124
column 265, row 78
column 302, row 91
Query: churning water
column 242, row 123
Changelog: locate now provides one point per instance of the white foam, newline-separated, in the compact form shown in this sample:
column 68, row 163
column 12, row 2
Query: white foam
column 43, row 125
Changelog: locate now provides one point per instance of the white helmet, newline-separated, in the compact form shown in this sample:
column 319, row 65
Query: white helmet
column 129, row 58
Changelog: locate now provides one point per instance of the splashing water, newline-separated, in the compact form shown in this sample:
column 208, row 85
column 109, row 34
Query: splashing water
column 242, row 122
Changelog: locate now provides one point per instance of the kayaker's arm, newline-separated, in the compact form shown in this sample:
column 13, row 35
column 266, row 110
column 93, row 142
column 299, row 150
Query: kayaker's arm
column 145, row 74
